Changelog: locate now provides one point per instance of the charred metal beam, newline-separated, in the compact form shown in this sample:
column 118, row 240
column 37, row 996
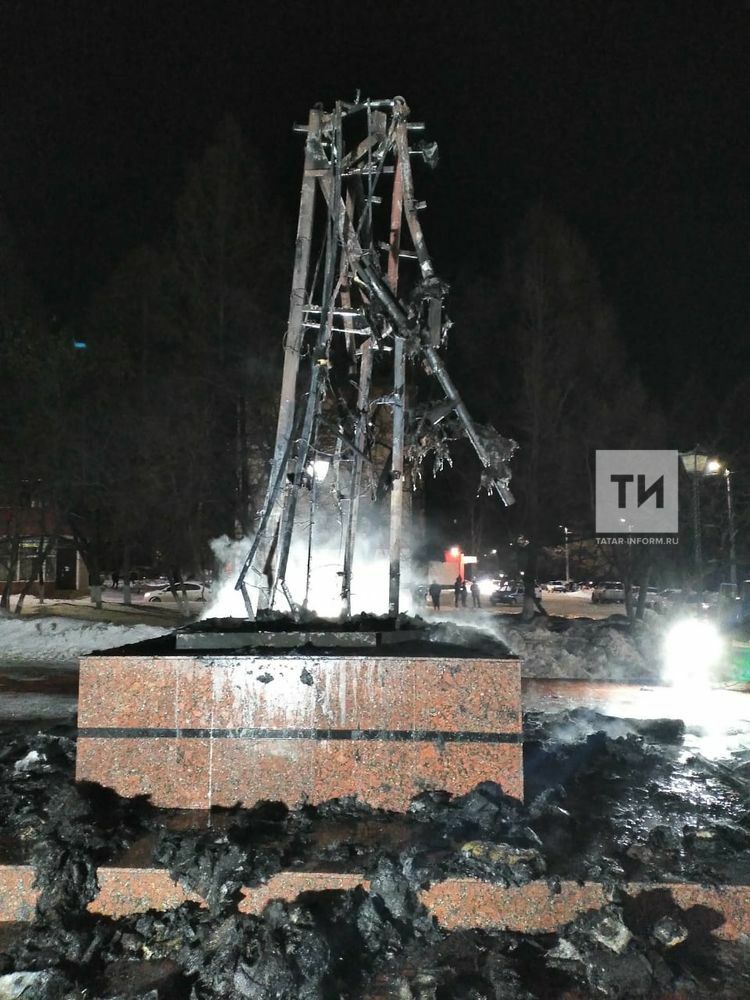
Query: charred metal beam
column 399, row 385
column 363, row 396
column 293, row 341
column 312, row 407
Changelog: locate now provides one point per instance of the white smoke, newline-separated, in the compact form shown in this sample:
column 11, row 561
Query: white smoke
column 315, row 570
column 226, row 602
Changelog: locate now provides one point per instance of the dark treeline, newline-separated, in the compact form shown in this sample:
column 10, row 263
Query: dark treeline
column 538, row 353
column 140, row 429
column 143, row 428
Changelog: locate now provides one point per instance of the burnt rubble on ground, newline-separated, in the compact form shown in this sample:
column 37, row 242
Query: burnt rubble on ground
column 275, row 633
column 635, row 805
column 641, row 806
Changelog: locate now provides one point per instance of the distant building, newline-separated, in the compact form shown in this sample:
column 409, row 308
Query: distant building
column 64, row 572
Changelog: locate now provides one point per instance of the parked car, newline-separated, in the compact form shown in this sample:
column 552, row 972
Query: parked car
column 557, row 586
column 687, row 600
column 652, row 596
column 668, row 599
column 507, row 595
column 609, row 592
column 512, row 595
column 194, row 592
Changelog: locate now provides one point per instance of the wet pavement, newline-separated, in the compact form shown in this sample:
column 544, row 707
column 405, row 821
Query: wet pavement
column 716, row 719
column 33, row 695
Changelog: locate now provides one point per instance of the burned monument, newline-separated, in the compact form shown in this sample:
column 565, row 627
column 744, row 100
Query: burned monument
column 625, row 875
column 277, row 707
column 366, row 311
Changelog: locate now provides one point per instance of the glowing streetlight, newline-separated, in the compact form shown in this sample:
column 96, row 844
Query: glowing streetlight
column 715, row 467
column 455, row 551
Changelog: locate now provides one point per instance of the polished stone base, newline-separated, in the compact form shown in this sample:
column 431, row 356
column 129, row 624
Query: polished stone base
column 205, row 729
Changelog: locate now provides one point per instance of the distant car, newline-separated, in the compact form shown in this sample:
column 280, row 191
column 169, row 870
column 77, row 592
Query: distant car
column 557, row 586
column 193, row 591
column 609, row 592
column 688, row 601
column 507, row 595
column 668, row 599
column 652, row 596
column 512, row 595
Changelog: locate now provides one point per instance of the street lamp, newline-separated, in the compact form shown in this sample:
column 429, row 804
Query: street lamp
column 730, row 518
column 698, row 465
column 713, row 468
column 567, row 555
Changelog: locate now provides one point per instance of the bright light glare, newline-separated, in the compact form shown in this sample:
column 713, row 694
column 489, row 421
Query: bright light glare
column 318, row 469
column 487, row 587
column 455, row 551
column 692, row 649
column 713, row 465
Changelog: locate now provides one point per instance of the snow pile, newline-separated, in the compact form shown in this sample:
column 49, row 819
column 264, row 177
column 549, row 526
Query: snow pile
column 582, row 649
column 29, row 762
column 63, row 640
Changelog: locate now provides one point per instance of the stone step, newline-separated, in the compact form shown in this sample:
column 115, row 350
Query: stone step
column 456, row 903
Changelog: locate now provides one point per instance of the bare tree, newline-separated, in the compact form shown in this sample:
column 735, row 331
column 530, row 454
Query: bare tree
column 175, row 398
column 557, row 315
column 33, row 367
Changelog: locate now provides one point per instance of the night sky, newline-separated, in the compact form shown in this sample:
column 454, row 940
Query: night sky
column 629, row 118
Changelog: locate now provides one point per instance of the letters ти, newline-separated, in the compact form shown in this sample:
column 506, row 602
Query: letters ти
column 622, row 480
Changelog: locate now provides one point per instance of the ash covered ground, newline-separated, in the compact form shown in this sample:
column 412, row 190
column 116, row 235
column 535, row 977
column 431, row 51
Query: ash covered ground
column 608, row 799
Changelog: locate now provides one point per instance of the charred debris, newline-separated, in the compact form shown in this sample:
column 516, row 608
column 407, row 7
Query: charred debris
column 614, row 809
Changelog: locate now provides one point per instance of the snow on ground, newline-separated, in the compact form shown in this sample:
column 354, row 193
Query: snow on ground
column 63, row 640
column 581, row 648
column 18, row 706
column 588, row 650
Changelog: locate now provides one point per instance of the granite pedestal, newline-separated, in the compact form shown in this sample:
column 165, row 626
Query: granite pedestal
column 197, row 730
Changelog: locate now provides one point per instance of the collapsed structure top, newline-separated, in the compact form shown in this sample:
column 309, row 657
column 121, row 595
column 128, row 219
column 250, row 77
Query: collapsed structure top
column 365, row 300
